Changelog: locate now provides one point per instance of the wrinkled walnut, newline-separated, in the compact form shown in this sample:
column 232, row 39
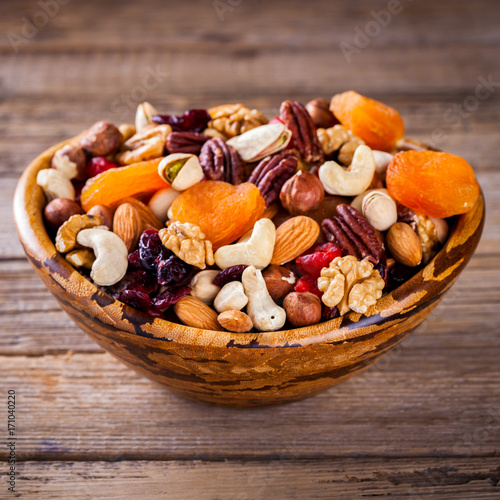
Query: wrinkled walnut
column 147, row 144
column 67, row 233
column 220, row 162
column 351, row 284
column 272, row 172
column 347, row 150
column 186, row 142
column 235, row 119
column 427, row 234
column 296, row 118
column 332, row 138
column 355, row 236
column 188, row 243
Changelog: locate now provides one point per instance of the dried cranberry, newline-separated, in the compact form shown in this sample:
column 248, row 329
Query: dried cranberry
column 169, row 297
column 308, row 284
column 171, row 270
column 135, row 280
column 328, row 313
column 311, row 263
column 229, row 274
column 193, row 120
column 134, row 259
column 398, row 275
column 155, row 313
column 78, row 185
column 151, row 250
column 137, row 299
column 97, row 165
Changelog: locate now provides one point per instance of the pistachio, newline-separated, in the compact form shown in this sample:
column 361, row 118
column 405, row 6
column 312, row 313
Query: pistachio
column 379, row 209
column 144, row 115
column 180, row 170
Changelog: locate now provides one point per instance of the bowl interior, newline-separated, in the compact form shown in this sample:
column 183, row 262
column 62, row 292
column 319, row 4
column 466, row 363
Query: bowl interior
column 419, row 292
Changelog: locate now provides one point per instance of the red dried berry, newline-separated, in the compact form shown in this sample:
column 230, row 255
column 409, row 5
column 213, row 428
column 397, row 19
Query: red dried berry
column 134, row 280
column 229, row 274
column 311, row 263
column 169, row 297
column 137, row 299
column 308, row 284
column 193, row 120
column 97, row 165
column 328, row 313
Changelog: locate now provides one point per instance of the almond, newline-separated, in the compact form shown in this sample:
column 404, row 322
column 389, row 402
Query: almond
column 293, row 238
column 404, row 245
column 235, row 321
column 149, row 219
column 193, row 312
column 128, row 225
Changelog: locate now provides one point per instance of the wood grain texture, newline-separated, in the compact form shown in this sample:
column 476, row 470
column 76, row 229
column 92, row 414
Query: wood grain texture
column 442, row 385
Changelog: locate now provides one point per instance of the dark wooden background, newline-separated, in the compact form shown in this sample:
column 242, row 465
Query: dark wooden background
column 422, row 423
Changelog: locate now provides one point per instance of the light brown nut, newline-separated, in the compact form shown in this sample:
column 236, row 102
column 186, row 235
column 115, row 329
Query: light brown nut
column 55, row 184
column 350, row 284
column 279, row 281
column 302, row 193
column 193, row 312
column 127, row 130
column 68, row 232
column 319, row 109
column 302, row 309
column 347, row 150
column 59, row 210
column 147, row 144
column 231, row 297
column 202, row 287
column 144, row 115
column 404, row 245
column 188, row 243
column 104, row 213
column 293, row 238
column 331, row 139
column 102, row 139
column 81, row 258
column 235, row 321
column 127, row 224
column 235, row 119
column 71, row 161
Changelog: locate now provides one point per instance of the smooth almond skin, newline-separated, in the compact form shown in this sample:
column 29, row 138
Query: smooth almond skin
column 293, row 238
column 404, row 245
column 149, row 219
column 193, row 312
column 127, row 224
column 235, row 321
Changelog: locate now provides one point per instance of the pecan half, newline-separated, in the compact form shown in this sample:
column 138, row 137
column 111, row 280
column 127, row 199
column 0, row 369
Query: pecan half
column 220, row 162
column 272, row 172
column 186, row 142
column 296, row 118
column 352, row 232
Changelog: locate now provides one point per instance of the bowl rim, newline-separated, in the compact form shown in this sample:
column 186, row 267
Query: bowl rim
column 407, row 299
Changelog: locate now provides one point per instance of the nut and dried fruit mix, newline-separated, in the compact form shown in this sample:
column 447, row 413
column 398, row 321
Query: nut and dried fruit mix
column 224, row 220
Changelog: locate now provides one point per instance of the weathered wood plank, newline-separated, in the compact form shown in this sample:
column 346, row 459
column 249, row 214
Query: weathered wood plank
column 441, row 394
column 443, row 478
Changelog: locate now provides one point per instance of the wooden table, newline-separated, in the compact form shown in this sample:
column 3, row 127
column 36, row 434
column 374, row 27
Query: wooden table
column 422, row 423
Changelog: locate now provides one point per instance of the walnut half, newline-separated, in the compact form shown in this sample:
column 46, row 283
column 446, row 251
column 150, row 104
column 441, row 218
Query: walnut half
column 351, row 284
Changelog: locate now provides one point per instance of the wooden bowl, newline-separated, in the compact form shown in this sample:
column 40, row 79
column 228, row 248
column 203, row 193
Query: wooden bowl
column 239, row 370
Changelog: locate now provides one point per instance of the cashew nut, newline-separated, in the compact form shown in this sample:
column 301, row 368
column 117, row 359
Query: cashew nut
column 232, row 297
column 161, row 202
column 111, row 255
column 257, row 251
column 202, row 287
column 55, row 184
column 350, row 182
column 265, row 314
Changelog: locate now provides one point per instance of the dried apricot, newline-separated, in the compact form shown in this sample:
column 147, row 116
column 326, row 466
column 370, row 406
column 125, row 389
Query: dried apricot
column 117, row 183
column 222, row 211
column 379, row 125
column 431, row 183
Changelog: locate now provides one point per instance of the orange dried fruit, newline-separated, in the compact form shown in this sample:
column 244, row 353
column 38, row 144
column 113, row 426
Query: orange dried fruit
column 222, row 211
column 431, row 183
column 117, row 183
column 379, row 125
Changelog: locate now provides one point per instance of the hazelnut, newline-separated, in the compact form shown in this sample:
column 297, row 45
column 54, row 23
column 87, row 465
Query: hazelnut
column 302, row 193
column 319, row 109
column 279, row 281
column 102, row 139
column 104, row 213
column 404, row 245
column 59, row 210
column 71, row 161
column 302, row 309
